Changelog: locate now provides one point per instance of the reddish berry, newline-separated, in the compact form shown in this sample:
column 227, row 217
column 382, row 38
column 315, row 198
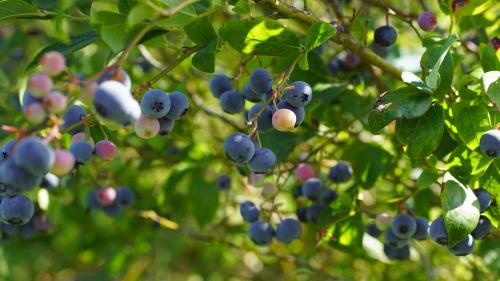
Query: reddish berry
column 147, row 128
column 63, row 163
column 53, row 63
column 105, row 150
column 304, row 172
column 284, row 120
column 35, row 113
column 106, row 196
column 427, row 21
column 55, row 102
column 39, row 84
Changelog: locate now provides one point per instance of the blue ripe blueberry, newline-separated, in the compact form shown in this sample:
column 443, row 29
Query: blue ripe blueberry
column 349, row 61
column 179, row 105
column 155, row 103
column 312, row 188
column 300, row 94
column 394, row 241
column 91, row 200
column 16, row 178
column 34, row 155
column 82, row 151
column 300, row 113
column 334, row 65
column 261, row 233
column 119, row 75
column 239, row 148
column 301, row 214
column 401, row 254
column 16, row 209
column 114, row 210
column 263, row 161
column 250, row 95
column 166, row 126
column 385, row 35
column 261, row 81
column 464, row 247
column 341, row 172
column 288, row 230
column 50, row 181
column 29, row 99
column 113, row 101
column 482, row 229
column 219, row 84
column 422, row 231
column 438, row 233
column 404, row 226
column 490, row 143
column 265, row 120
column 314, row 212
column 74, row 115
column 484, row 199
column 125, row 196
column 373, row 231
column 8, row 148
column 297, row 191
column 232, row 102
column 223, row 182
column 249, row 212
column 328, row 196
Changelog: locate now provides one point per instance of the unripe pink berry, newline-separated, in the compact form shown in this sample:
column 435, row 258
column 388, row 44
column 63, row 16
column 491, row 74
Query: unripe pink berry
column 427, row 21
column 147, row 128
column 53, row 63
column 55, row 102
column 304, row 172
column 35, row 113
column 105, row 150
column 106, row 196
column 64, row 161
column 88, row 91
column 284, row 120
column 82, row 137
column 383, row 221
column 39, row 84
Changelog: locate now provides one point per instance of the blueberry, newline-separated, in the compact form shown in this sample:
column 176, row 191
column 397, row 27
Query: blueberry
column 263, row 161
column 34, row 155
column 114, row 210
column 74, row 115
column 219, row 84
column 232, row 102
column 297, row 191
column 438, row 233
column 490, row 143
column 341, row 172
column 166, row 126
column 261, row 81
column 83, row 151
column 118, row 75
column 113, row 101
column 349, row 61
column 328, row 196
column 16, row 178
column 8, row 148
column 91, row 200
column 482, row 229
column 484, row 199
column 404, row 226
column 464, row 247
column 249, row 212
column 179, row 105
column 422, row 231
column 125, row 196
column 427, row 21
column 155, row 103
column 302, row 214
column 392, row 253
column 373, row 231
column 288, row 230
column 312, row 188
column 314, row 212
column 239, row 148
column 394, row 241
column 50, row 181
column 29, row 99
column 250, row 95
column 385, row 36
column 334, row 65
column 223, row 182
column 261, row 233
column 300, row 94
column 300, row 113
column 16, row 209
column 265, row 120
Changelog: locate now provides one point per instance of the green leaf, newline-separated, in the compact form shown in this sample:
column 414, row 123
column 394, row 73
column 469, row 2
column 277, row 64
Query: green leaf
column 203, row 198
column 201, row 31
column 491, row 86
column 139, row 14
column 471, row 122
column 488, row 57
column 317, row 34
column 263, row 37
column 242, row 7
column 75, row 43
column 460, row 209
column 491, row 181
column 476, row 7
column 108, row 23
column 406, row 102
column 16, row 9
column 429, row 59
column 204, row 59
column 464, row 163
column 433, row 79
column 422, row 135
column 415, row 81
column 303, row 62
column 427, row 178
column 347, row 235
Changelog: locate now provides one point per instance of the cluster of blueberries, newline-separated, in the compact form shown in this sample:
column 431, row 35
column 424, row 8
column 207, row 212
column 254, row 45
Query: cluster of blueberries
column 39, row 223
column 262, row 232
column 465, row 247
column 241, row 150
column 111, row 201
column 313, row 189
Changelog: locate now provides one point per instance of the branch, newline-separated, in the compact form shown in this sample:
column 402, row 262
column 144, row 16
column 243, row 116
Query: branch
column 347, row 41
column 197, row 100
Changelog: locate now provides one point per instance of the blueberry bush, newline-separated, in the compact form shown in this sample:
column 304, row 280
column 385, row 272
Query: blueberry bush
column 249, row 140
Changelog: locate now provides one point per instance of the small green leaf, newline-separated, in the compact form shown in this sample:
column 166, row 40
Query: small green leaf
column 415, row 81
column 347, row 235
column 242, row 7
column 471, row 122
column 460, row 209
column 204, row 59
column 427, row 178
column 433, row 79
column 139, row 14
column 317, row 34
column 201, row 31
column 422, row 135
column 464, row 163
column 488, row 57
column 491, row 86
column 476, row 7
column 303, row 62
column 16, row 9
column 445, row 77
